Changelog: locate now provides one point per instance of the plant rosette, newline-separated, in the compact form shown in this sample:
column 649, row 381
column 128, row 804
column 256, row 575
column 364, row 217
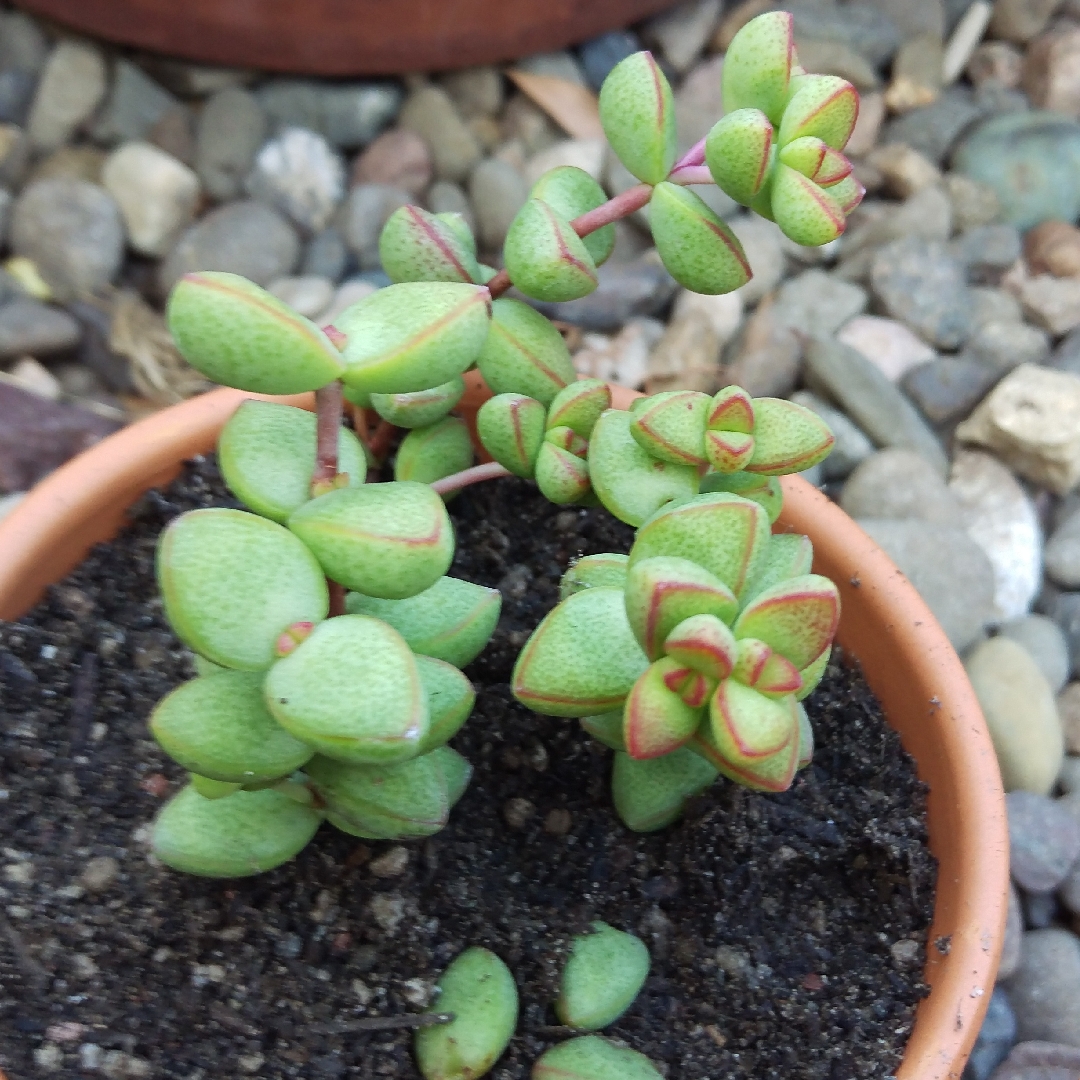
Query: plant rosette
column 330, row 639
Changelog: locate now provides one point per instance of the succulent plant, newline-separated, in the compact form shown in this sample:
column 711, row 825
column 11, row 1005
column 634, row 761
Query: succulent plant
column 689, row 657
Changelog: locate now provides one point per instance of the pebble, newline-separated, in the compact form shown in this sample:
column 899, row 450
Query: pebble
column 863, row 26
column 35, row 377
column 997, row 61
column 70, row 163
column 918, row 283
column 1031, row 161
column 498, row 191
column 903, row 169
column 1014, row 935
column 326, row 256
column 476, row 91
column 29, row 326
column 134, row 106
column 14, row 155
column 347, row 294
column 37, row 435
column 1020, row 712
column 1040, row 1061
column 1020, row 20
column 157, row 195
column 306, row 294
column 949, row 570
column 898, row 483
column 836, row 58
column 1062, row 550
column 388, row 911
column 765, row 358
column 973, row 203
column 555, row 65
column 71, row 88
column 1068, row 703
column 1053, row 247
column 446, row 197
column 1000, row 346
column 1043, row 639
column 601, row 54
column 687, row 357
column 1066, row 357
column 927, row 214
column 622, row 359
column 1001, row 518
column 1051, row 70
column 987, row 252
column 99, row 873
column 1064, row 609
column 399, row 158
column 995, row 1039
column 431, row 114
column 933, row 129
column 698, row 103
column 363, row 216
column 300, row 174
column 246, row 238
column 349, row 115
column 761, row 245
column 625, row 289
column 23, row 45
column 993, row 305
column 916, row 73
column 948, row 388
column 1040, row 910
column 1051, row 302
column 73, row 233
column 724, row 312
column 1032, row 420
column 1069, row 778
column 230, row 129
column 875, row 404
column 864, row 137
column 1045, row 991
column 682, row 32
column 1044, row 841
column 889, row 345
column 851, row 446
column 391, row 863
column 817, row 304
column 518, row 812
column 584, row 154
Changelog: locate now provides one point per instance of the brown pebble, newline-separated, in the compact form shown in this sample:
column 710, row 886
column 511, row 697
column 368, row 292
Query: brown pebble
column 390, row 863
column 339, row 943
column 558, row 822
column 1053, row 247
column 155, row 784
column 812, row 981
column 99, row 873
column 399, row 158
column 517, row 813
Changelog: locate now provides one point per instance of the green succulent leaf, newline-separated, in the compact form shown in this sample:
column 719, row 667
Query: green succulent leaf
column 847, row 194
column 524, row 353
column 606, row 728
column 765, row 671
column 246, row 833
column 266, row 453
column 787, row 438
column 456, row 771
column 451, row 621
column 417, row 246
column 671, row 427
column 751, row 738
column 450, row 698
column 604, row 972
column 579, row 405
column 823, row 106
column 571, row 192
column 812, row 675
column 239, row 335
column 637, row 113
column 479, row 990
column 428, row 454
column 787, row 555
column 422, row 408
column 797, row 618
column 413, row 336
column 545, row 258
column 212, row 789
column 724, row 533
column 650, row 795
column 232, row 582
column 656, row 720
column 219, row 726
column 352, row 691
column 764, row 490
column 805, row 212
column 383, row 802
column 758, row 65
column 582, row 659
column 511, row 429
column 457, row 224
column 739, row 153
column 387, row 540
column 816, row 160
column 663, row 591
column 561, row 476
column 806, row 740
column 704, row 643
column 696, row 245
column 631, row 483
column 593, row 570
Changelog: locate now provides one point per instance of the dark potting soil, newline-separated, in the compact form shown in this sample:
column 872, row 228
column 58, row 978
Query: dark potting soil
column 787, row 932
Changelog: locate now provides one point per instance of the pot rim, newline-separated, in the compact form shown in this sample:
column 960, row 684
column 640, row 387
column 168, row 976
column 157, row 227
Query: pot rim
column 927, row 698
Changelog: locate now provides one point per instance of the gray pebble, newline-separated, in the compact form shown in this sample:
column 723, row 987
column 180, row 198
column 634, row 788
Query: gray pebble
column 1014, row 935
column 72, row 86
column 1042, row 637
column 246, row 238
column 1044, row 841
column 363, row 216
column 932, row 129
column 73, row 232
column 498, row 191
column 851, row 446
column 1062, row 555
column 996, row 1037
column 1002, row 345
column 446, row 197
column 987, row 252
column 326, row 255
column 454, row 148
column 23, row 45
column 230, row 130
column 948, row 388
column 99, row 873
column 28, row 326
column 134, row 106
column 817, row 304
column 900, row 483
column 349, row 115
column 601, row 54
column 1045, row 991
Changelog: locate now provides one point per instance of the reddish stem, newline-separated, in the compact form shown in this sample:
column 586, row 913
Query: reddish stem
column 621, row 206
column 337, row 598
column 691, row 174
column 477, row 474
column 694, row 156
column 379, row 443
column 328, row 413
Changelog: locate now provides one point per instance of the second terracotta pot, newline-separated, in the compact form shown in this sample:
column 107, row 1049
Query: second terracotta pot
column 906, row 658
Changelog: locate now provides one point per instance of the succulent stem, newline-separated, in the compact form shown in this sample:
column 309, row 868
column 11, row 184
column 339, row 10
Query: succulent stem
column 691, row 174
column 492, row 470
column 694, row 156
column 621, row 206
column 328, row 412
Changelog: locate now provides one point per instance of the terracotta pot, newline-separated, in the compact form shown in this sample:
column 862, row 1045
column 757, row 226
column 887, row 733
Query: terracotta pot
column 346, row 37
column 906, row 657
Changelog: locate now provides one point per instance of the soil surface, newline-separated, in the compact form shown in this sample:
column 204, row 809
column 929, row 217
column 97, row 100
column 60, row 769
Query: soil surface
column 787, row 932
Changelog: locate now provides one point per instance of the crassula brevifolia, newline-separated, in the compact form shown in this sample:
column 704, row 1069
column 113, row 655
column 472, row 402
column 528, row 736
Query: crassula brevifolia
column 329, row 639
